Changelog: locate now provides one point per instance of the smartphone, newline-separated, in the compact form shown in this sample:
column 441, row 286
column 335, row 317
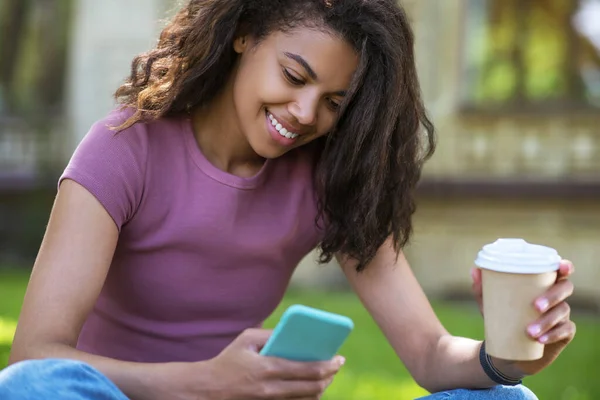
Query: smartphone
column 308, row 334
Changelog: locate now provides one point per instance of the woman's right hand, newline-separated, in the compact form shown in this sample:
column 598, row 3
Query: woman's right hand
column 239, row 372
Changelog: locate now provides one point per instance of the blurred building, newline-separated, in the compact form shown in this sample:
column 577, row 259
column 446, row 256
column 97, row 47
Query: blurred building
column 513, row 87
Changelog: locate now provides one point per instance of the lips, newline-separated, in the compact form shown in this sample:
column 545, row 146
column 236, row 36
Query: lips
column 280, row 129
column 283, row 124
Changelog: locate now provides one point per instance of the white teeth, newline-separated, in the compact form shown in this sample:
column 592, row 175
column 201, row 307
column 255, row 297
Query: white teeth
column 282, row 131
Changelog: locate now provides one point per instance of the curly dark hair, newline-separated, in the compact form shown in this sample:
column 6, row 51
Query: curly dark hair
column 369, row 164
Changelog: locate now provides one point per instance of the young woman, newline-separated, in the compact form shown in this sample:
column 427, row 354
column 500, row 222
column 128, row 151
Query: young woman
column 254, row 132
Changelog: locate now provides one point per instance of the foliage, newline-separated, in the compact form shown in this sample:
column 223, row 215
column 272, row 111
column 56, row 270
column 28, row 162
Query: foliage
column 529, row 53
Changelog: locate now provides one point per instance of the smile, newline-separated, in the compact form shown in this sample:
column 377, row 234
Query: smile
column 282, row 131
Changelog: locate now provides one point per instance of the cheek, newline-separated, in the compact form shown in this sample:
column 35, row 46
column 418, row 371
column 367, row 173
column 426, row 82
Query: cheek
column 326, row 121
column 258, row 84
column 244, row 91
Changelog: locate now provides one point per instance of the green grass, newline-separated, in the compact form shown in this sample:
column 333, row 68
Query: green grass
column 12, row 290
column 372, row 370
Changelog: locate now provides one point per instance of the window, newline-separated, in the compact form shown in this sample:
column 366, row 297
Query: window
column 532, row 55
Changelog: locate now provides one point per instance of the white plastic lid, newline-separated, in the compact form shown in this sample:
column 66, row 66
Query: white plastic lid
column 518, row 257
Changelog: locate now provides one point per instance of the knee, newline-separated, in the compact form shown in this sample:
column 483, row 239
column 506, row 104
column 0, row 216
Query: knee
column 38, row 378
column 518, row 392
column 43, row 369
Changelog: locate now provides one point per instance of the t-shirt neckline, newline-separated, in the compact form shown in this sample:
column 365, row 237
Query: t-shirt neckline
column 216, row 173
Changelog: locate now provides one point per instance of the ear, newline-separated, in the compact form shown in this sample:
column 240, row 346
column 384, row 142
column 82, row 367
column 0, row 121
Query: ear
column 240, row 44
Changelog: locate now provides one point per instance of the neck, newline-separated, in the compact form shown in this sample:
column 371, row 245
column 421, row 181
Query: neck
column 220, row 138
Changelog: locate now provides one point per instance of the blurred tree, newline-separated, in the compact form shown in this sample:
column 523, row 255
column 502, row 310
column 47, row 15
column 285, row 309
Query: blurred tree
column 33, row 51
column 527, row 54
column 12, row 27
column 53, row 37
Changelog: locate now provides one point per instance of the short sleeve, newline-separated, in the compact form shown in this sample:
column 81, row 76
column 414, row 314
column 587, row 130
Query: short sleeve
column 111, row 166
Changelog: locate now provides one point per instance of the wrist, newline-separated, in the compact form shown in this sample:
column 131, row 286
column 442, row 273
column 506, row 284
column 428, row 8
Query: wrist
column 501, row 372
column 188, row 380
column 507, row 368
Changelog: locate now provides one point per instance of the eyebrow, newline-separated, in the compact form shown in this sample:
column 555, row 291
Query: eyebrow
column 298, row 58
column 311, row 72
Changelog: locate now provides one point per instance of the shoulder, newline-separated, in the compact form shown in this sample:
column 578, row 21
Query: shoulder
column 104, row 139
column 136, row 142
column 112, row 164
column 109, row 129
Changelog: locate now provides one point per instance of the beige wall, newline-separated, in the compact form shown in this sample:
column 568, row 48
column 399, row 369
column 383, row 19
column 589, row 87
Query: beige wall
column 449, row 233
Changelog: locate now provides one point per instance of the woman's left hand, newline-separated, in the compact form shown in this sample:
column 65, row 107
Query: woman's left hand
column 554, row 327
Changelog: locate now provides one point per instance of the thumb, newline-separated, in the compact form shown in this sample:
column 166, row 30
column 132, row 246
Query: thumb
column 476, row 278
column 255, row 339
column 477, row 287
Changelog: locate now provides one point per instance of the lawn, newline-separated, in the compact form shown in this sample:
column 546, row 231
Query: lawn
column 372, row 371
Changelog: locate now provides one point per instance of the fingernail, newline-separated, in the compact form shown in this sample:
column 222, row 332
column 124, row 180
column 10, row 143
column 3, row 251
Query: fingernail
column 534, row 330
column 543, row 339
column 569, row 266
column 542, row 304
column 340, row 360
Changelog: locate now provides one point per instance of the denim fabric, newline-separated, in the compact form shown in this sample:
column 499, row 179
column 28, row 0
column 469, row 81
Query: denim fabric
column 519, row 392
column 56, row 379
column 74, row 380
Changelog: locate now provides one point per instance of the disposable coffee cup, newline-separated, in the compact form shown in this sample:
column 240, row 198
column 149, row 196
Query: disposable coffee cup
column 514, row 274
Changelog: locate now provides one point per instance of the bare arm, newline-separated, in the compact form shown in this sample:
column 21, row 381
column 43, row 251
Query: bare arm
column 68, row 275
column 390, row 292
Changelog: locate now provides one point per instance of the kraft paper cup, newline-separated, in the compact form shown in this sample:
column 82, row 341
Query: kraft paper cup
column 514, row 274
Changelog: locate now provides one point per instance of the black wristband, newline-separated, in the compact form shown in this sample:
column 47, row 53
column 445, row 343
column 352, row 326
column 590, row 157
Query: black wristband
column 492, row 372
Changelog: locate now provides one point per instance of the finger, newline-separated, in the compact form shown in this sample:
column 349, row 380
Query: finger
column 327, row 384
column 476, row 275
column 476, row 279
column 281, row 389
column 558, row 293
column 565, row 269
column 477, row 287
column 255, row 338
column 556, row 316
column 561, row 332
column 279, row 368
column 304, row 398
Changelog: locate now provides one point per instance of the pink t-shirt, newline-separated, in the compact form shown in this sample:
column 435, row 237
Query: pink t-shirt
column 202, row 254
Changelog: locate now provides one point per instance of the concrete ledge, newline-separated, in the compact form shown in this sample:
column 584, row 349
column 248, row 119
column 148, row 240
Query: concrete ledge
column 512, row 189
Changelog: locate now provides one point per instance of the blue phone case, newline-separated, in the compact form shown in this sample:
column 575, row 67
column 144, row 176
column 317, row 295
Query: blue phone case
column 308, row 334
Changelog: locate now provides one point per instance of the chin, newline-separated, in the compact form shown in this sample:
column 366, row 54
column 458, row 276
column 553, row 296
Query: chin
column 270, row 153
column 268, row 150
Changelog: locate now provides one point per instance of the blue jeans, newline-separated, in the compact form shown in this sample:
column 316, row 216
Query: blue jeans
column 73, row 380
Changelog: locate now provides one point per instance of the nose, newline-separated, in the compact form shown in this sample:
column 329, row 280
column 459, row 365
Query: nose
column 304, row 109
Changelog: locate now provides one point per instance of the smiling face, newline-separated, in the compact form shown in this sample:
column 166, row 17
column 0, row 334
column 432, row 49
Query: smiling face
column 288, row 87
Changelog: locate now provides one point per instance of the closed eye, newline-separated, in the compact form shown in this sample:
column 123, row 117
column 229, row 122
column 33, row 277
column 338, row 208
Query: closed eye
column 334, row 105
column 292, row 79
